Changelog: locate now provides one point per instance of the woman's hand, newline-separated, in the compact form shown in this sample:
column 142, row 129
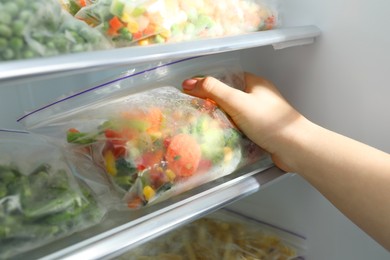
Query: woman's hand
column 353, row 176
column 260, row 111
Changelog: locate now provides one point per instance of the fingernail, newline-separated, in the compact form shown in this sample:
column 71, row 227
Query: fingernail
column 189, row 84
column 199, row 76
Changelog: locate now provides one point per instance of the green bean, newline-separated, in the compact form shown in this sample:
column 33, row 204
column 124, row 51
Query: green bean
column 25, row 15
column 5, row 31
column 16, row 43
column 5, row 18
column 3, row 43
column 18, row 27
column 11, row 8
column 8, row 54
column 28, row 54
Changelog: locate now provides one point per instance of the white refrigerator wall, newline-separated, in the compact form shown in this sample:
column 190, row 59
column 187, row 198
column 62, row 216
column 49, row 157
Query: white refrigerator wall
column 342, row 83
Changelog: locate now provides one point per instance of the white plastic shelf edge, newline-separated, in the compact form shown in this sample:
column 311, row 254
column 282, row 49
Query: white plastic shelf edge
column 92, row 61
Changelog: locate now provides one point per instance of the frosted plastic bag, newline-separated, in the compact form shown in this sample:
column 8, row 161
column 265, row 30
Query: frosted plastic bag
column 159, row 21
column 73, row 6
column 42, row 28
column 40, row 198
column 152, row 140
column 223, row 235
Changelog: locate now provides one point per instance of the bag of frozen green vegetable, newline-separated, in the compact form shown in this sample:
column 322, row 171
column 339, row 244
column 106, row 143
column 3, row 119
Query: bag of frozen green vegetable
column 41, row 199
column 41, row 28
column 159, row 21
column 152, row 140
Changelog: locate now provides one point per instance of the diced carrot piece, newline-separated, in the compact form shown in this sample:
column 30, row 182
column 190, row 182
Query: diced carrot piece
column 115, row 24
column 137, row 35
column 135, row 203
column 183, row 155
column 73, row 130
column 155, row 118
column 149, row 30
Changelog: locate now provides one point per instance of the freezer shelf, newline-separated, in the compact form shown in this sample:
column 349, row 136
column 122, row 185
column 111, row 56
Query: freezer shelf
column 98, row 60
column 121, row 231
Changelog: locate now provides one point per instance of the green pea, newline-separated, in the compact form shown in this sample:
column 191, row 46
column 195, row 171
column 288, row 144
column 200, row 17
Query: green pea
column 72, row 27
column 8, row 54
column 60, row 43
column 189, row 29
column 5, row 31
column 36, row 6
column 78, row 48
column 176, row 29
column 16, row 43
column 159, row 39
column 21, row 3
column 11, row 8
column 203, row 22
column 5, row 18
column 3, row 43
column 28, row 54
column 25, row 15
column 77, row 37
column 18, row 27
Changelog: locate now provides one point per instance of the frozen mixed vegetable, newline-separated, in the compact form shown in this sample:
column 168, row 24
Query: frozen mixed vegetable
column 221, row 236
column 159, row 21
column 161, row 142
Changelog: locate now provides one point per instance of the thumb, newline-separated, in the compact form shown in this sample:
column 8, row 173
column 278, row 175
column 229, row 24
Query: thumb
column 228, row 98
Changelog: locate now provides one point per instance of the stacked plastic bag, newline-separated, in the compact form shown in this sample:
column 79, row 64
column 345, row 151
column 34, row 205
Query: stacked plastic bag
column 152, row 140
column 223, row 235
column 159, row 21
column 43, row 28
column 128, row 143
column 42, row 197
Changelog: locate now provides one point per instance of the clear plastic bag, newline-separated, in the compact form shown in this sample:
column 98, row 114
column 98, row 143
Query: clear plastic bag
column 42, row 28
column 152, row 140
column 158, row 21
column 41, row 199
column 223, row 235
column 73, row 6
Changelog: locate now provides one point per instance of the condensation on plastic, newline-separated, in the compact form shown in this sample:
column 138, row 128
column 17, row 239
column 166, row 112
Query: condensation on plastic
column 159, row 21
column 128, row 101
column 137, row 79
column 41, row 197
column 223, row 235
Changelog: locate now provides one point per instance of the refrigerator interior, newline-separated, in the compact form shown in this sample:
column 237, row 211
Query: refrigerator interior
column 338, row 82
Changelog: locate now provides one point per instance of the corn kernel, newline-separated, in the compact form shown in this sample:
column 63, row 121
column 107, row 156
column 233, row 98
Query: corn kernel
column 148, row 192
column 143, row 42
column 109, row 160
column 228, row 154
column 132, row 26
column 170, row 174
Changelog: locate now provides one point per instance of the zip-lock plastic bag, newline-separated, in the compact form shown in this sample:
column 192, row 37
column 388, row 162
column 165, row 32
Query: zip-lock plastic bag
column 158, row 21
column 152, row 140
column 41, row 28
column 223, row 235
column 41, row 199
